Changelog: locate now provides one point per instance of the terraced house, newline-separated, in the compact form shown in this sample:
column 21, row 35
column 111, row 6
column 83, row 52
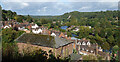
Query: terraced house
column 84, row 47
column 59, row 46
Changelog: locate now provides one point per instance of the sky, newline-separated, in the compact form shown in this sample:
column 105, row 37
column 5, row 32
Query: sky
column 57, row 7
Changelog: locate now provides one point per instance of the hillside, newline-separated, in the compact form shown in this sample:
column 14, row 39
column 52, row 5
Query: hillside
column 109, row 15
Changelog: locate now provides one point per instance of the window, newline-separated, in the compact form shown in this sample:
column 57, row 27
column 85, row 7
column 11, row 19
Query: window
column 62, row 50
column 88, row 43
column 80, row 43
column 82, row 48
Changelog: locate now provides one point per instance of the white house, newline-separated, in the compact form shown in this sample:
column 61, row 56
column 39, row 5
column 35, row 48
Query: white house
column 7, row 26
column 100, row 49
column 88, row 27
column 35, row 26
column 53, row 34
column 37, row 31
column 76, row 29
column 21, row 28
column 66, row 35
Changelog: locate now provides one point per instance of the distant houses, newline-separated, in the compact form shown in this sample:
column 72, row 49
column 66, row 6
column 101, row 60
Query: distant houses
column 40, row 37
column 25, row 26
column 76, row 29
column 7, row 26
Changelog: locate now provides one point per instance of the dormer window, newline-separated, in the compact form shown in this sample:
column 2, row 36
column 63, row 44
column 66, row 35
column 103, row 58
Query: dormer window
column 82, row 48
column 83, row 43
column 78, row 43
column 91, row 51
column 99, row 47
column 88, row 43
column 53, row 34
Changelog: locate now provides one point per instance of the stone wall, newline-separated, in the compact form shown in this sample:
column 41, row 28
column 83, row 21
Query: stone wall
column 29, row 48
column 67, row 49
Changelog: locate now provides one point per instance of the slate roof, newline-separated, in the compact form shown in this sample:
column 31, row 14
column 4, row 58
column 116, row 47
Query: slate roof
column 102, row 53
column 74, row 56
column 61, row 41
column 81, row 40
column 43, row 40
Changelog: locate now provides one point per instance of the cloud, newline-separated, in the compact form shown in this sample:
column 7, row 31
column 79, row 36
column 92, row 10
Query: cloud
column 108, row 0
column 25, row 4
column 29, row 0
column 55, row 8
column 84, row 8
column 44, row 9
column 59, row 0
column 93, row 1
column 38, row 10
column 59, row 9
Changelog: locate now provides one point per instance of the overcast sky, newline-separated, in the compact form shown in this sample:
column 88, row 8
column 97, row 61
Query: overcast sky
column 55, row 7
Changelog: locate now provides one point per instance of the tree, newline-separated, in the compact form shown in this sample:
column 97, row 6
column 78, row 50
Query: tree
column 109, row 32
column 8, row 15
column 115, row 48
column 83, row 32
column 9, row 47
column 69, row 34
column 29, row 19
column 102, row 33
column 43, row 21
column 105, row 45
column 111, row 39
column 8, row 35
column 100, row 57
column 9, row 51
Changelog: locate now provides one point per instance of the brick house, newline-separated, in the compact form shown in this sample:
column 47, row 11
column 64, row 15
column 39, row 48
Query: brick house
column 83, row 46
column 59, row 46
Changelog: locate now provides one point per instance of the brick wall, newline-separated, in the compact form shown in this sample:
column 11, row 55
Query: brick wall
column 67, row 50
column 29, row 47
